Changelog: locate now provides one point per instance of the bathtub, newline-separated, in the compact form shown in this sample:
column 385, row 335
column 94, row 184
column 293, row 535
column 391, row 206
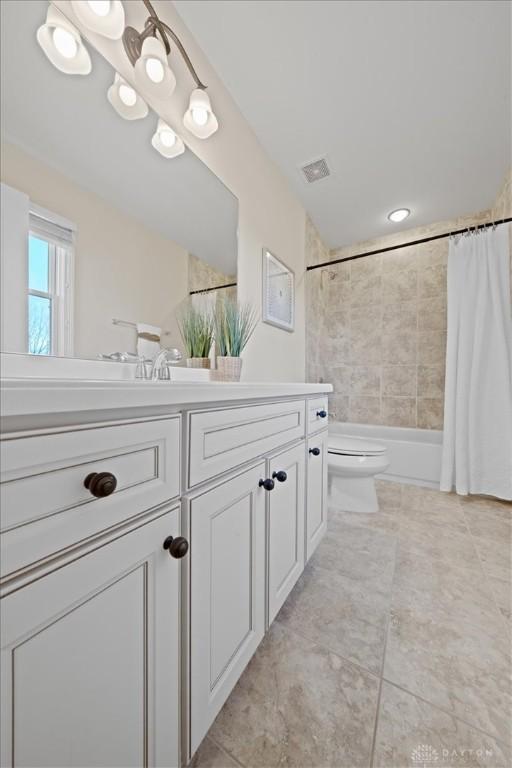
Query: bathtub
column 414, row 454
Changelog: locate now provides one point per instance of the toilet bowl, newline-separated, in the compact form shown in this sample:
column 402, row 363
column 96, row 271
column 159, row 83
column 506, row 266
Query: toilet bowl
column 353, row 463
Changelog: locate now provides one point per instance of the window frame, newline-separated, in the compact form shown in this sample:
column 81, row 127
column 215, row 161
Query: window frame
column 61, row 268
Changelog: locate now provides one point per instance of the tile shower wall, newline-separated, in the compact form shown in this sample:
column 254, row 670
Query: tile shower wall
column 376, row 327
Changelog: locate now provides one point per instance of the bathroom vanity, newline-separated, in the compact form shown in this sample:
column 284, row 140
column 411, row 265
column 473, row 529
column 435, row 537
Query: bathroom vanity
column 150, row 533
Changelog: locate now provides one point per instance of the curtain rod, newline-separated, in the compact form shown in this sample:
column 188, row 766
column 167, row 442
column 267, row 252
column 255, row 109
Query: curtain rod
column 411, row 242
column 215, row 288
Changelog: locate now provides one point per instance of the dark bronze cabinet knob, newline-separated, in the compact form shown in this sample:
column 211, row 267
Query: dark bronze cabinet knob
column 280, row 476
column 315, row 451
column 177, row 547
column 100, row 484
column 267, row 484
column 322, row 414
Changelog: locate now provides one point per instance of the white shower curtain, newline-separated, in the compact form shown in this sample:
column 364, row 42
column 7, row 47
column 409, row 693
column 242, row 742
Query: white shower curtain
column 477, row 443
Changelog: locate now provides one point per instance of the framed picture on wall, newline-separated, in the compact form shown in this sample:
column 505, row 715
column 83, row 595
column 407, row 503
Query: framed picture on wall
column 278, row 292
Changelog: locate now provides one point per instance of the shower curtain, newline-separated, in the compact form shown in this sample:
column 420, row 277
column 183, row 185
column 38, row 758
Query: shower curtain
column 477, row 442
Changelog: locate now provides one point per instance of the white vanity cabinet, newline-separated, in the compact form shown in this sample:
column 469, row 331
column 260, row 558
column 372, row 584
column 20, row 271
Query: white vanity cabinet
column 226, row 577
column 114, row 651
column 285, row 539
column 316, row 499
column 90, row 657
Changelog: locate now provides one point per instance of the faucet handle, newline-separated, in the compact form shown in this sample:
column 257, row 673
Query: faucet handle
column 141, row 371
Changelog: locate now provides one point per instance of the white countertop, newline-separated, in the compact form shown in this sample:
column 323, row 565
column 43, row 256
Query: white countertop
column 30, row 403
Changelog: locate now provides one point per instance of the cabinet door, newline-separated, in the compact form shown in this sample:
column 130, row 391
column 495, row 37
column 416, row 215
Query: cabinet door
column 227, row 591
column 316, row 508
column 285, row 526
column 90, row 657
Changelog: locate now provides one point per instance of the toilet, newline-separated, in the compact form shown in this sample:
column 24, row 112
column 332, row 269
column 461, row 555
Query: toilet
column 353, row 463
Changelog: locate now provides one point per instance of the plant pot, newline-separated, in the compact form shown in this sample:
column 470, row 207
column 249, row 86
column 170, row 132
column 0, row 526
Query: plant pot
column 228, row 369
column 198, row 362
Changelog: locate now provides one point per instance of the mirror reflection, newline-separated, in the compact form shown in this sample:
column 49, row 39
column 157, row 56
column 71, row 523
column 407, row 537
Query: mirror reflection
column 103, row 238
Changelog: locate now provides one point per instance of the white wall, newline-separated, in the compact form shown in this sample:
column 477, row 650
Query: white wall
column 269, row 214
column 13, row 269
column 122, row 269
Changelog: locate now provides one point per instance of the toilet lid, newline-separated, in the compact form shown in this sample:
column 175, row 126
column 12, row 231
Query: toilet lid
column 354, row 446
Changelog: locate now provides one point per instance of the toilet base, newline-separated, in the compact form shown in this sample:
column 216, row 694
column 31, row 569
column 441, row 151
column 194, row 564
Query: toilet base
column 353, row 494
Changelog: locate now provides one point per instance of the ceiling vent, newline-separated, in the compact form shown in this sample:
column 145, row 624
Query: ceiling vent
column 316, row 170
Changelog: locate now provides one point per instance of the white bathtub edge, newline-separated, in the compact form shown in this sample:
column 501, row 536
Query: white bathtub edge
column 415, row 454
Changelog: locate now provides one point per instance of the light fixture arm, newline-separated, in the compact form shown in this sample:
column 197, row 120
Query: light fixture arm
column 133, row 40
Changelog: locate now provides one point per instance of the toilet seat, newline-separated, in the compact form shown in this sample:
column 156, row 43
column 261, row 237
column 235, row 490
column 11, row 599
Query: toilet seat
column 343, row 445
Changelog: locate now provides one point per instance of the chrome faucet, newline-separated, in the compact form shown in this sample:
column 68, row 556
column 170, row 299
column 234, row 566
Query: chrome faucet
column 160, row 370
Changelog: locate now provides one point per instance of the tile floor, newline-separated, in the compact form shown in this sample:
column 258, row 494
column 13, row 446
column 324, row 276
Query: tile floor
column 393, row 649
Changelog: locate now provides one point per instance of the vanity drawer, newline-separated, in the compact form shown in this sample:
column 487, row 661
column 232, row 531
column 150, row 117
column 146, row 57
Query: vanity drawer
column 45, row 507
column 316, row 407
column 223, row 439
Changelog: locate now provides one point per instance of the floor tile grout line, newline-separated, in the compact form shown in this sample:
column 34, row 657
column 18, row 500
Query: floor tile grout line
column 386, row 635
column 223, row 749
column 473, row 727
column 376, row 724
column 380, row 676
column 327, row 648
column 383, row 679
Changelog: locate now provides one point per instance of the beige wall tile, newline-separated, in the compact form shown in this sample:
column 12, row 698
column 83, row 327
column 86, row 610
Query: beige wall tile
column 336, row 350
column 399, row 348
column 366, row 290
column 431, row 381
column 338, row 407
column 336, row 318
column 370, row 265
column 366, row 348
column 399, row 411
column 364, row 410
column 432, row 281
column 432, row 314
column 339, row 377
column 430, row 412
column 383, row 318
column 399, row 317
column 365, row 380
column 402, row 259
column 431, row 347
column 368, row 316
column 399, row 286
column 337, row 292
column 399, row 380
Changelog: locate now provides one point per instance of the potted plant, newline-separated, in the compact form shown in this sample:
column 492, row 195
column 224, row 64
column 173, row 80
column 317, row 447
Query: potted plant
column 234, row 326
column 196, row 328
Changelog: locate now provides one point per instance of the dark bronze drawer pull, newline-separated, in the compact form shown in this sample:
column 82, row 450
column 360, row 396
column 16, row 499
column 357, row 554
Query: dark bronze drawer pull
column 177, row 547
column 101, row 484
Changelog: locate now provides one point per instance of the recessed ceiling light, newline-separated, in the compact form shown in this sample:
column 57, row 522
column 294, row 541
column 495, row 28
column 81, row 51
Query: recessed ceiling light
column 399, row 215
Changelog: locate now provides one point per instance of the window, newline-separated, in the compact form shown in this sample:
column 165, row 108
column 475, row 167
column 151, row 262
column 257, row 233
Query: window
column 50, row 285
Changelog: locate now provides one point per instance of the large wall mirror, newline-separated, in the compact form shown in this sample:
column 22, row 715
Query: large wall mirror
column 102, row 238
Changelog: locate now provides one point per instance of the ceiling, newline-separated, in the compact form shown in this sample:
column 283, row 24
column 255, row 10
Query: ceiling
column 409, row 101
column 67, row 122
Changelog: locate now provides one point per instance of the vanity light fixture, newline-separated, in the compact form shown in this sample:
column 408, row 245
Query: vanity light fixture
column 148, row 51
column 106, row 17
column 399, row 215
column 166, row 141
column 125, row 100
column 62, row 44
